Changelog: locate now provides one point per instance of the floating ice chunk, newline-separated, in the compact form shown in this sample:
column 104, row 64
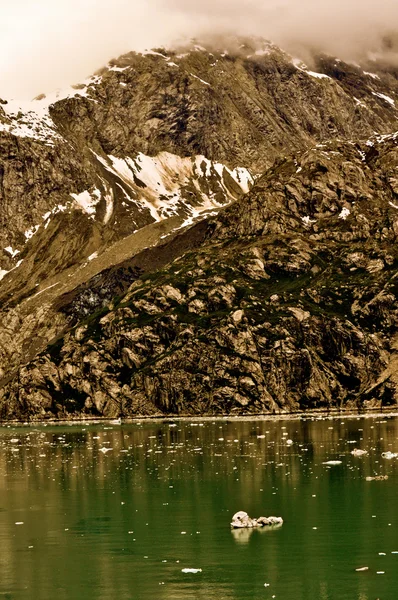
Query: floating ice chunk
column 332, row 462
column 358, row 452
column 389, row 455
column 362, row 569
column 191, row 570
column 105, row 450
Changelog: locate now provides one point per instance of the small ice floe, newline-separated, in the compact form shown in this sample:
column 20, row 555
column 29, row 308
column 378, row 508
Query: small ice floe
column 389, row 455
column 358, row 452
column 105, row 450
column 377, row 478
column 19, row 523
column 362, row 569
column 241, row 519
column 191, row 570
column 289, row 442
column 332, row 462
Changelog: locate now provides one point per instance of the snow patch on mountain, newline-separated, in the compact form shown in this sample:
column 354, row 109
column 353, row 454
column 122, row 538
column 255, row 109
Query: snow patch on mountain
column 301, row 66
column 87, row 200
column 201, row 80
column 384, row 97
column 168, row 185
column 3, row 272
column 11, row 251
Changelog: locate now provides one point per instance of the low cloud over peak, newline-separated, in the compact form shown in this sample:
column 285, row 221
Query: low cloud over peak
column 46, row 44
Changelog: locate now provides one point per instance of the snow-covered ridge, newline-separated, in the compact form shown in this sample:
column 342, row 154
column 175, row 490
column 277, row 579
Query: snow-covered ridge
column 31, row 118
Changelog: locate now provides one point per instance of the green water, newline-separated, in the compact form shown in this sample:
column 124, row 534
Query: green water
column 123, row 524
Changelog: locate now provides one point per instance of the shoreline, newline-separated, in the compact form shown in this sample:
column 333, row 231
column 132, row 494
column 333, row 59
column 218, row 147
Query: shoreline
column 312, row 415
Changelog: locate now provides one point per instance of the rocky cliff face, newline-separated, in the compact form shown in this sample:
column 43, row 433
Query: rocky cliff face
column 209, row 232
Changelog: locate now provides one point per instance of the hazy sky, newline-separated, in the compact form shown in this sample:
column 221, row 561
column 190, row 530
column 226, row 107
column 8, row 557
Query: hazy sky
column 45, row 44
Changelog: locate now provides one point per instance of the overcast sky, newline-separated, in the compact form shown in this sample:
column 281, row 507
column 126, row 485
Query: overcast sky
column 45, row 44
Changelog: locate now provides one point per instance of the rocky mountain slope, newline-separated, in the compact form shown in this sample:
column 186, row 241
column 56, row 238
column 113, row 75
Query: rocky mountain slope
column 201, row 231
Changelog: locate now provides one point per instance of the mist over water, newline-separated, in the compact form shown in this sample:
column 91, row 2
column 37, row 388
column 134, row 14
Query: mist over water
column 45, row 45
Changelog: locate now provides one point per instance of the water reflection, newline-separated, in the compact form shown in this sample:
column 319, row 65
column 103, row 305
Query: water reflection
column 243, row 535
column 124, row 523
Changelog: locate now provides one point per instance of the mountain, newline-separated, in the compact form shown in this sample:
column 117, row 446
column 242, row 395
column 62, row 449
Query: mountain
column 201, row 231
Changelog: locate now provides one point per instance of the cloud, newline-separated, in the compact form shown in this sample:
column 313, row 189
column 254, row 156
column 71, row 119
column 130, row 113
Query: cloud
column 46, row 44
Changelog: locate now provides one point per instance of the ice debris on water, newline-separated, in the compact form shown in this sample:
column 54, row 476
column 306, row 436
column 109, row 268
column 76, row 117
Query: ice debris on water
column 362, row 569
column 332, row 462
column 358, row 452
column 390, row 455
column 191, row 570
column 241, row 519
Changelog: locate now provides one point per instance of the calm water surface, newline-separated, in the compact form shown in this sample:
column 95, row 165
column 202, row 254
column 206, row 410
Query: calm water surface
column 77, row 522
